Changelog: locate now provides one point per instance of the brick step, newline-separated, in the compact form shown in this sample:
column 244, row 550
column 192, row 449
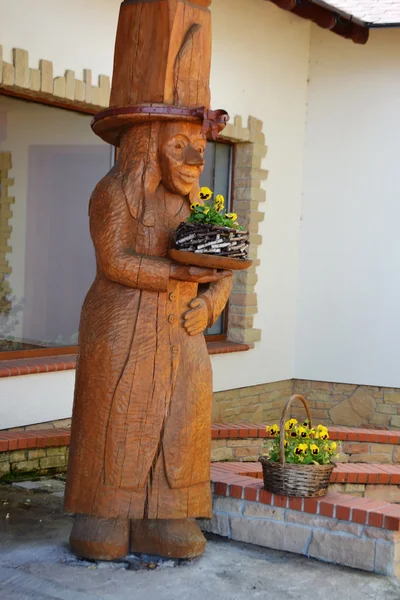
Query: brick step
column 221, row 431
column 29, row 440
column 232, row 480
column 371, row 474
column 16, row 440
column 361, row 533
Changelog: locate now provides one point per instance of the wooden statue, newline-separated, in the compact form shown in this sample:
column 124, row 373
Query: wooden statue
column 140, row 450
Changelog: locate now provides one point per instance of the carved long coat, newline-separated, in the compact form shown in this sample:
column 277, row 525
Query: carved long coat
column 140, row 444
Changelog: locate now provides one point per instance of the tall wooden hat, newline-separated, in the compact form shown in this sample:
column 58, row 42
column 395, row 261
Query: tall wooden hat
column 162, row 67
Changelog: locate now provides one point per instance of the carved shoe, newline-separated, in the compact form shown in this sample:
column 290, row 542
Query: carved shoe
column 169, row 538
column 99, row 539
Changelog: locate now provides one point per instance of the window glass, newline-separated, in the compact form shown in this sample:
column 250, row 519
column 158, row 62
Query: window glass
column 55, row 162
column 217, row 176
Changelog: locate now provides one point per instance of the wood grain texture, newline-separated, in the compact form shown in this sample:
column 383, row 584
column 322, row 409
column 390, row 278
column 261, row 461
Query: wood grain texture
column 178, row 538
column 162, row 54
column 100, row 539
column 140, row 443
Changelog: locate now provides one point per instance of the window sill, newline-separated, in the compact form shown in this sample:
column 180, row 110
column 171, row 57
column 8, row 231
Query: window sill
column 226, row 347
column 67, row 362
column 30, row 366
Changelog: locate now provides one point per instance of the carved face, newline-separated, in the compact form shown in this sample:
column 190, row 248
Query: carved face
column 181, row 156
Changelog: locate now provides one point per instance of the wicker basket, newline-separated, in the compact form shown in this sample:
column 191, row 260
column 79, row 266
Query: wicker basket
column 212, row 240
column 295, row 480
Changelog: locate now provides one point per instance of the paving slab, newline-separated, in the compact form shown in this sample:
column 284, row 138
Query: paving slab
column 50, row 486
column 36, row 564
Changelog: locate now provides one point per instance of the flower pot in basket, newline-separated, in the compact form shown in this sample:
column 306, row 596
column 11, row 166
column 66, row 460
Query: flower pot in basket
column 305, row 446
column 211, row 238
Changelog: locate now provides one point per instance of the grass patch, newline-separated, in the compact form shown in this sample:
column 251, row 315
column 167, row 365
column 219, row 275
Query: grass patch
column 15, row 476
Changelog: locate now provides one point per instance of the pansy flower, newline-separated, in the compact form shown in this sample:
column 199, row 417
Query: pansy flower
column 290, row 424
column 314, row 449
column 273, row 430
column 205, row 193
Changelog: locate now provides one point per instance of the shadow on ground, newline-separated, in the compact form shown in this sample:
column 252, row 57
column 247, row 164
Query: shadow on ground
column 35, row 564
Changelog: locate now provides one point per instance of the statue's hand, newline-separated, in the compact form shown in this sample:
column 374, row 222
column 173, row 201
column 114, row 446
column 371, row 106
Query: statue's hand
column 197, row 274
column 195, row 320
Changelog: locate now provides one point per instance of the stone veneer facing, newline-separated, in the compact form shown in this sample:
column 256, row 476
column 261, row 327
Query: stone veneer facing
column 330, row 403
column 249, row 150
column 39, row 82
column 317, row 536
column 5, row 229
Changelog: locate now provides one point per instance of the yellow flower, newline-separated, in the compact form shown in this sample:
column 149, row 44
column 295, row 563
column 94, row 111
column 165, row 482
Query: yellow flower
column 290, row 424
column 300, row 449
column 194, row 205
column 220, row 201
column 332, row 447
column 293, row 433
column 273, row 430
column 302, row 432
column 324, row 435
column 206, row 210
column 231, row 216
column 314, row 449
column 286, row 443
column 322, row 428
column 205, row 193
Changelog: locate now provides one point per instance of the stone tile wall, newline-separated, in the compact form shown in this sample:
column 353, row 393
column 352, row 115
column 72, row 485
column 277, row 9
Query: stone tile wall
column 330, row 403
column 41, row 461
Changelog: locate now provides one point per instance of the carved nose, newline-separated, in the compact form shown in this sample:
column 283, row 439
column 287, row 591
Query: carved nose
column 193, row 157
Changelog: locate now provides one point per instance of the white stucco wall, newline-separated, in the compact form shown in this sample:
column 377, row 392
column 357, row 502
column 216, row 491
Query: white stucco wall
column 37, row 398
column 349, row 286
column 259, row 68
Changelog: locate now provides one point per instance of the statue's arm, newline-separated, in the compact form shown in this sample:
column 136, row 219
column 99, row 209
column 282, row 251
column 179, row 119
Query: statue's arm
column 111, row 234
column 216, row 296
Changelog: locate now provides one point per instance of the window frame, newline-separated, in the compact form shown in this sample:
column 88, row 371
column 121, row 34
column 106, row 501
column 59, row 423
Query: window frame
column 222, row 337
column 87, row 110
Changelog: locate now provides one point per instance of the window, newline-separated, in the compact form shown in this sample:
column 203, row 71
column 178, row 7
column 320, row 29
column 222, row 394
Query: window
column 217, row 175
column 50, row 162
column 55, row 162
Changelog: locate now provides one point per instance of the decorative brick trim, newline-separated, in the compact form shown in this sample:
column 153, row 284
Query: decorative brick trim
column 250, row 149
column 40, row 83
column 5, row 229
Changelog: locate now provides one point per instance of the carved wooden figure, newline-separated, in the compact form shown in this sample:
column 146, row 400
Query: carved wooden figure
column 140, row 450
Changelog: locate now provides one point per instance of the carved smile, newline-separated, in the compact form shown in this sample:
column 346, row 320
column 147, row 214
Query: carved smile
column 188, row 177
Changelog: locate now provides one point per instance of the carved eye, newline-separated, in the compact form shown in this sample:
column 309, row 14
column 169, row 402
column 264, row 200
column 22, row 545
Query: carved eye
column 178, row 145
column 200, row 150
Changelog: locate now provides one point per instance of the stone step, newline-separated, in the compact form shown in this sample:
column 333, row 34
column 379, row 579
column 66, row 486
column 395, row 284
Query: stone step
column 355, row 532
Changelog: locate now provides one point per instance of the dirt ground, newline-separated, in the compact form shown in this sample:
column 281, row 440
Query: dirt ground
column 36, row 564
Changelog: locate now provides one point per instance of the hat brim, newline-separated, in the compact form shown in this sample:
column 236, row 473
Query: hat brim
column 111, row 123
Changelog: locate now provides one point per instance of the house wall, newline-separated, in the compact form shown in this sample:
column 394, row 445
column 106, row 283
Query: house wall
column 348, row 323
column 260, row 68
